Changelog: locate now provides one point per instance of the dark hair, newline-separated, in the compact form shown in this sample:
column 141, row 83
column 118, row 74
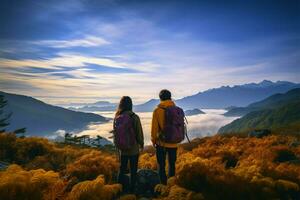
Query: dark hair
column 165, row 95
column 124, row 105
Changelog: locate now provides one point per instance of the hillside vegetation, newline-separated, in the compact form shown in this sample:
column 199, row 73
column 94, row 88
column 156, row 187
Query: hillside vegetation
column 209, row 168
column 285, row 119
column 274, row 101
column 279, row 113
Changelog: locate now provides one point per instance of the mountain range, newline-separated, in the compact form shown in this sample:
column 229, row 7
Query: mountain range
column 98, row 104
column 226, row 96
column 89, row 108
column 278, row 113
column 43, row 119
column 216, row 98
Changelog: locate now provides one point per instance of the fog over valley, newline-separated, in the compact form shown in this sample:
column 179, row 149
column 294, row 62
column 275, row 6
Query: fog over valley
column 198, row 125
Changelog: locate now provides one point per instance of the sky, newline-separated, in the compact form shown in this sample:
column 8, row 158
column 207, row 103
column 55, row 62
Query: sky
column 89, row 50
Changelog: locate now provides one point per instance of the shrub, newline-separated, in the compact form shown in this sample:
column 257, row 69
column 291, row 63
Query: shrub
column 147, row 161
column 17, row 183
column 213, row 167
column 7, row 149
column 90, row 165
column 29, row 148
column 94, row 190
column 171, row 191
column 284, row 154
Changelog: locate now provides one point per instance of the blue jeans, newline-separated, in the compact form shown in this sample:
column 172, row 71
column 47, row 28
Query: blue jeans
column 161, row 153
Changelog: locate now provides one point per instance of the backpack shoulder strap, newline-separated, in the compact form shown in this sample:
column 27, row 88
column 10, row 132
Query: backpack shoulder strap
column 132, row 115
column 164, row 108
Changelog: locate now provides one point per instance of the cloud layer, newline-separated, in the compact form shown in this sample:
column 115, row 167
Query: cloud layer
column 198, row 125
column 87, row 41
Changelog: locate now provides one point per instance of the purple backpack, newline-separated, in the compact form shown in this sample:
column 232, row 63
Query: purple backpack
column 124, row 134
column 174, row 128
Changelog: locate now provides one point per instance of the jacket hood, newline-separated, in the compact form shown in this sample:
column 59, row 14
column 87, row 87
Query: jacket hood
column 166, row 103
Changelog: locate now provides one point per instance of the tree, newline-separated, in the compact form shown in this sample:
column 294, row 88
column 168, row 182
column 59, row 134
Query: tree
column 98, row 139
column 4, row 118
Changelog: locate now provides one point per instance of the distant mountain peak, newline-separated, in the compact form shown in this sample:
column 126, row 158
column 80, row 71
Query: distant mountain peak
column 101, row 102
column 270, row 83
column 266, row 83
column 237, row 95
column 152, row 101
column 284, row 82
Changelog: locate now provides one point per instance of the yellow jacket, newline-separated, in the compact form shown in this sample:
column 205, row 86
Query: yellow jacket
column 158, row 121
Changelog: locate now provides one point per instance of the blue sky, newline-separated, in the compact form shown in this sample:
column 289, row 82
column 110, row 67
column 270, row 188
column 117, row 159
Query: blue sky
column 87, row 50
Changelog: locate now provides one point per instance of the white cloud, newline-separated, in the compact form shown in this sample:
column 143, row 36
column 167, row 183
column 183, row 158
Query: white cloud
column 87, row 41
column 78, row 60
column 176, row 61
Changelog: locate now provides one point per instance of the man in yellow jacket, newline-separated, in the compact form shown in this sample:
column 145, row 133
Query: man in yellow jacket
column 163, row 148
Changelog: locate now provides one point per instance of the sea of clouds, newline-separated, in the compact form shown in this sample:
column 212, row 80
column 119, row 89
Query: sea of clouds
column 198, row 125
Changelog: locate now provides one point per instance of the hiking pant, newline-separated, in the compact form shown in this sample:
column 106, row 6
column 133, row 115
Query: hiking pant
column 133, row 160
column 161, row 153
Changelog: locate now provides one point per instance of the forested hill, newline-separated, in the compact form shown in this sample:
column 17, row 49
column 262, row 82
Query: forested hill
column 279, row 113
column 273, row 101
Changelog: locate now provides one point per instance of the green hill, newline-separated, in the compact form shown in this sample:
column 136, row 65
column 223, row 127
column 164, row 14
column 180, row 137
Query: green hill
column 279, row 113
column 271, row 102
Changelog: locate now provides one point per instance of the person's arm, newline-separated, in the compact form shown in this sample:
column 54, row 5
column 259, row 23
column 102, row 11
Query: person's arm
column 139, row 131
column 154, row 128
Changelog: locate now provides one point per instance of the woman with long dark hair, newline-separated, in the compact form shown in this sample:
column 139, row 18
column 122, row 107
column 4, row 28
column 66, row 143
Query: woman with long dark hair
column 129, row 139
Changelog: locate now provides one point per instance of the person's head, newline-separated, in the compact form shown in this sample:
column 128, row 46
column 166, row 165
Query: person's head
column 165, row 95
column 124, row 105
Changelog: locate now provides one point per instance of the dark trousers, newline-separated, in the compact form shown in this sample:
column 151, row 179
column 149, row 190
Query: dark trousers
column 133, row 160
column 161, row 153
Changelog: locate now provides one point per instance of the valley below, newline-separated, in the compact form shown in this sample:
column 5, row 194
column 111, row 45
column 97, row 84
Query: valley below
column 200, row 125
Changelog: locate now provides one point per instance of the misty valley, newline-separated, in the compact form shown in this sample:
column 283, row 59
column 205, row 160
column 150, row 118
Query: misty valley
column 200, row 125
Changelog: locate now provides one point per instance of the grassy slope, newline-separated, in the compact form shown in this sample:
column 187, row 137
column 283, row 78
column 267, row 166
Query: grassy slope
column 285, row 118
column 271, row 102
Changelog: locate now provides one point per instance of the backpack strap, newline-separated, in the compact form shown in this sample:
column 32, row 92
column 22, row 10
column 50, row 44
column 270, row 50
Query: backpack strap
column 132, row 114
column 134, row 121
column 131, row 117
column 164, row 108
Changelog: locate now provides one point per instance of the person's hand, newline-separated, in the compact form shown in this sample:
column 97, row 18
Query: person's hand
column 154, row 144
column 141, row 148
